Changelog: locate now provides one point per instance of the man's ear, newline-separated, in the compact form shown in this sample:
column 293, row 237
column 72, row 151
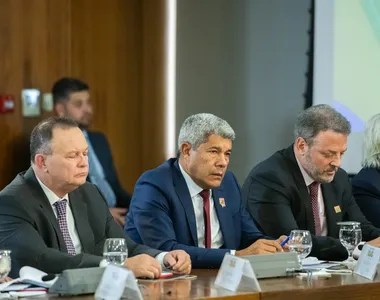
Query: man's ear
column 60, row 109
column 40, row 161
column 185, row 149
column 301, row 145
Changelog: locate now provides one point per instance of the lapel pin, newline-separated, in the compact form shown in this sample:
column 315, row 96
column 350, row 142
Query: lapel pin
column 337, row 209
column 222, row 202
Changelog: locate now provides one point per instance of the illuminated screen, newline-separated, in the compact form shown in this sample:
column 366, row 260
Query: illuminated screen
column 347, row 65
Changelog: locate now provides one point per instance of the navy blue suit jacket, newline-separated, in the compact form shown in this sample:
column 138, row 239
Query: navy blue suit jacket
column 366, row 190
column 103, row 151
column 161, row 215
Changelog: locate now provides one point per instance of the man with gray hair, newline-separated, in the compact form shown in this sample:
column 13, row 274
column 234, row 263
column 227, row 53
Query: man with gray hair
column 303, row 187
column 192, row 203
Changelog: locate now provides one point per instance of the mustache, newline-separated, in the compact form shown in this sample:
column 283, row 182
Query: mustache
column 332, row 169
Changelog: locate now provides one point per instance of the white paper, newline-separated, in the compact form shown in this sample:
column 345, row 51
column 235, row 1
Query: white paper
column 27, row 293
column 116, row 282
column 16, row 287
column 132, row 290
column 5, row 285
column 248, row 272
column 231, row 272
column 367, row 263
column 311, row 260
column 112, row 284
column 34, row 276
column 320, row 266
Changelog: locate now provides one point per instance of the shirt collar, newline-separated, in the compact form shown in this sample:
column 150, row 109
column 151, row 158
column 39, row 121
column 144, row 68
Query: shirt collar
column 85, row 133
column 194, row 188
column 306, row 177
column 52, row 197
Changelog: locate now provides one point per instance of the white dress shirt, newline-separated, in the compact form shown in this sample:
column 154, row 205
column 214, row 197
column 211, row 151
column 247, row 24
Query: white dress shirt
column 216, row 234
column 69, row 215
column 52, row 197
column 321, row 205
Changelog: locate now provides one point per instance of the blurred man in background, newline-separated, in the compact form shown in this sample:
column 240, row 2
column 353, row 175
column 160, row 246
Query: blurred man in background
column 72, row 99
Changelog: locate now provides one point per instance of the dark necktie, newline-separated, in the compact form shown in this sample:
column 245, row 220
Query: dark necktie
column 313, row 189
column 205, row 194
column 62, row 221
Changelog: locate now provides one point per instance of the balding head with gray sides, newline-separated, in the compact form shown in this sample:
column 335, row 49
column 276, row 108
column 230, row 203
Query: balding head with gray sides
column 371, row 143
column 319, row 118
column 196, row 129
column 42, row 134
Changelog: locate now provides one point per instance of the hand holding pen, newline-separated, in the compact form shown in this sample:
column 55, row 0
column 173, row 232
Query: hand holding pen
column 283, row 240
column 283, row 243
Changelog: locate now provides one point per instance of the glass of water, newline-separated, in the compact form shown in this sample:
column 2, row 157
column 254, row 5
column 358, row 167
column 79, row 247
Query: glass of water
column 301, row 243
column 5, row 263
column 350, row 235
column 115, row 251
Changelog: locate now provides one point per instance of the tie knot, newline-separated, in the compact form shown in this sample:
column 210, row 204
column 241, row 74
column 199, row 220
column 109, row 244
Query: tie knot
column 314, row 184
column 205, row 194
column 313, row 188
column 60, row 204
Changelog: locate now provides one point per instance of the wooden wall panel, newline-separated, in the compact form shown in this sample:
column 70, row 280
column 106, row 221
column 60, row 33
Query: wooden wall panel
column 116, row 46
column 29, row 35
column 153, row 82
column 106, row 53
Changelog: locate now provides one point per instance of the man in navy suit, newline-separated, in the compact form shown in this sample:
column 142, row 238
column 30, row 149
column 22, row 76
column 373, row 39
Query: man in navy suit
column 72, row 99
column 191, row 203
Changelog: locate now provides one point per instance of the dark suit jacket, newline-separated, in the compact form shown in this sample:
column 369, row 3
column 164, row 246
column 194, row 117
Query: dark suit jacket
column 277, row 198
column 29, row 228
column 161, row 215
column 366, row 190
column 103, row 151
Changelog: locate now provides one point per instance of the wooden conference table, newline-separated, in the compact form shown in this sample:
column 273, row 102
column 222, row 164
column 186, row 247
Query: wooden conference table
column 336, row 287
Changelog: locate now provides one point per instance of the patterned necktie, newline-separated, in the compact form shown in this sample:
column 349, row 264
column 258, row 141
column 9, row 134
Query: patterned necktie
column 205, row 194
column 62, row 221
column 313, row 189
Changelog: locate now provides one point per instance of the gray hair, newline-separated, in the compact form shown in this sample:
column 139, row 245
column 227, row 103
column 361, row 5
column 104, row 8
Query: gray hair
column 319, row 118
column 371, row 144
column 42, row 134
column 197, row 128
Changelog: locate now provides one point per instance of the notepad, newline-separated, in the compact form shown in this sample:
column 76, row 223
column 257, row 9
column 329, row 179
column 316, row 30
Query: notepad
column 28, row 276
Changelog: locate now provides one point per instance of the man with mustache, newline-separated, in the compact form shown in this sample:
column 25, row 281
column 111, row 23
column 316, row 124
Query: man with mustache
column 303, row 187
column 192, row 203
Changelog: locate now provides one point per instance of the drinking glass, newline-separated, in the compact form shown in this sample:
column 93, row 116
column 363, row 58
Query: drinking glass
column 350, row 235
column 301, row 243
column 5, row 263
column 115, row 251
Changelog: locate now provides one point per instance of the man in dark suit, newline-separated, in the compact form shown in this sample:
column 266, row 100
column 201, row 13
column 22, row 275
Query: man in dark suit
column 302, row 187
column 52, row 219
column 191, row 203
column 72, row 99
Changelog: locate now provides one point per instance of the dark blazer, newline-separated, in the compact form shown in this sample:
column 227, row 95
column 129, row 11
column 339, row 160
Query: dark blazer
column 103, row 151
column 161, row 215
column 29, row 228
column 366, row 190
column 277, row 198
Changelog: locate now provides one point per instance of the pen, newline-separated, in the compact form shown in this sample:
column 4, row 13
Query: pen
column 285, row 241
column 168, row 268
